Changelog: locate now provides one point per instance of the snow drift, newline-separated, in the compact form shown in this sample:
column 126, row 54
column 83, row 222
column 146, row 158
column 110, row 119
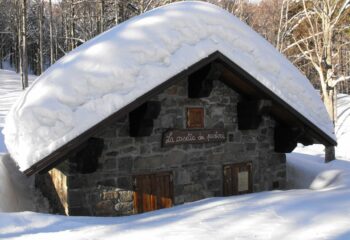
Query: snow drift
column 17, row 191
column 10, row 91
column 113, row 69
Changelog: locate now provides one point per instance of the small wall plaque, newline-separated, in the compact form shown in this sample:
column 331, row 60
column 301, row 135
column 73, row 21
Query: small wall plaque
column 174, row 137
column 243, row 181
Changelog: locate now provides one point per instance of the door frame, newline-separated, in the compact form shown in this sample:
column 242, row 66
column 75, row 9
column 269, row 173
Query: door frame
column 248, row 164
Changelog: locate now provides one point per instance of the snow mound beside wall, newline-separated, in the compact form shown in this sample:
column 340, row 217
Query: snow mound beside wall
column 17, row 191
column 113, row 69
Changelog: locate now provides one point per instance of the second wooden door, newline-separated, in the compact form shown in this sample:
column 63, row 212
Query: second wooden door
column 153, row 191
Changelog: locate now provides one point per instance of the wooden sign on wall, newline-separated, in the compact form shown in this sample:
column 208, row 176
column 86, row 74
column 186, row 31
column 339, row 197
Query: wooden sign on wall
column 176, row 136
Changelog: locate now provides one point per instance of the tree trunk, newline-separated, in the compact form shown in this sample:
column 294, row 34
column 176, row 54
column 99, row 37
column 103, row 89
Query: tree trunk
column 330, row 102
column 24, row 75
column 102, row 13
column 19, row 34
column 72, row 42
column 41, row 58
column 1, row 56
column 52, row 60
column 116, row 7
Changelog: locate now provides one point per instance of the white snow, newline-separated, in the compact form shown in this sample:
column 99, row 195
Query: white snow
column 10, row 91
column 322, row 213
column 110, row 71
column 15, row 192
column 343, row 126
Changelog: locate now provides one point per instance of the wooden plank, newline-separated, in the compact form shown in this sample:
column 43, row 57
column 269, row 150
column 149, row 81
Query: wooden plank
column 228, row 181
column 155, row 191
column 147, row 205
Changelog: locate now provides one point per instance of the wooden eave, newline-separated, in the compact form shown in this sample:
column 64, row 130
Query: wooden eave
column 232, row 74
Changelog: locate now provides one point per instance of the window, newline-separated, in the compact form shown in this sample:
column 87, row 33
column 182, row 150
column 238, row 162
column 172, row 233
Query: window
column 195, row 118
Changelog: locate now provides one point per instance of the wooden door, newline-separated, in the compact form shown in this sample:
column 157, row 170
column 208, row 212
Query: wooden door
column 153, row 191
column 237, row 179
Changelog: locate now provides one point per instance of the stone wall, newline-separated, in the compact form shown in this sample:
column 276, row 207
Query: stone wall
column 197, row 168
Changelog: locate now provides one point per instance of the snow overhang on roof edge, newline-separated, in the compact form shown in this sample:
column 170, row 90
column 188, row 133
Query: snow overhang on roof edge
column 113, row 69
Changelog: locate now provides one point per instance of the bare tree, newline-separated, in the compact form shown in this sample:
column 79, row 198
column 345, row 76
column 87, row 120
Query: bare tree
column 41, row 19
column 314, row 26
column 24, row 73
column 52, row 60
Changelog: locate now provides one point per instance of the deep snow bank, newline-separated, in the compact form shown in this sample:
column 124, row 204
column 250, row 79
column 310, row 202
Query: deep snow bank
column 111, row 70
column 16, row 190
column 305, row 163
column 10, row 91
column 342, row 128
column 288, row 215
column 308, row 170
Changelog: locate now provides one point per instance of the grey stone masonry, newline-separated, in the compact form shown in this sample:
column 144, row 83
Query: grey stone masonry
column 197, row 168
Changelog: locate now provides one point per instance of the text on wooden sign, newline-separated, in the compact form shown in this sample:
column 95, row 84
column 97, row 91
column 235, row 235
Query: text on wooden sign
column 173, row 137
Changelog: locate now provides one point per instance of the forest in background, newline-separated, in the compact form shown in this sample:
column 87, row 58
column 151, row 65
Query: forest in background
column 314, row 35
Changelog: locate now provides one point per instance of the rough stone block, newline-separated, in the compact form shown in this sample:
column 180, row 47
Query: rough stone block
column 109, row 164
column 145, row 149
column 121, row 142
column 109, row 195
column 174, row 157
column 251, row 146
column 125, row 164
column 76, row 198
column 125, row 182
column 107, row 182
column 124, row 131
column 214, row 185
column 104, row 208
column 153, row 162
column 179, row 199
column 79, row 211
column 112, row 153
column 124, row 208
column 182, row 177
column 126, row 196
column 129, row 150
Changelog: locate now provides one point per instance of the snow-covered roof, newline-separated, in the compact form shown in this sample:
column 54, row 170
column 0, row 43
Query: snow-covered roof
column 112, row 70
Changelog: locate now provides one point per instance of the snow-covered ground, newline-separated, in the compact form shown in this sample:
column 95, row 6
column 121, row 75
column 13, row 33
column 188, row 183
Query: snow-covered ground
column 295, row 214
column 16, row 190
column 319, row 211
column 10, row 90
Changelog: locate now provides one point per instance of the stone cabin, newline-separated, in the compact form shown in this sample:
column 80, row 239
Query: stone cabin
column 197, row 105
column 211, row 130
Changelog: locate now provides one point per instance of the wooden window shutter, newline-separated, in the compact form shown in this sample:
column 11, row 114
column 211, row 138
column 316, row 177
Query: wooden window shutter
column 195, row 118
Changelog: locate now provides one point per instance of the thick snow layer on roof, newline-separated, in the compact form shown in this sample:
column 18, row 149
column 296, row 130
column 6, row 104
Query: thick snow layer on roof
column 113, row 69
